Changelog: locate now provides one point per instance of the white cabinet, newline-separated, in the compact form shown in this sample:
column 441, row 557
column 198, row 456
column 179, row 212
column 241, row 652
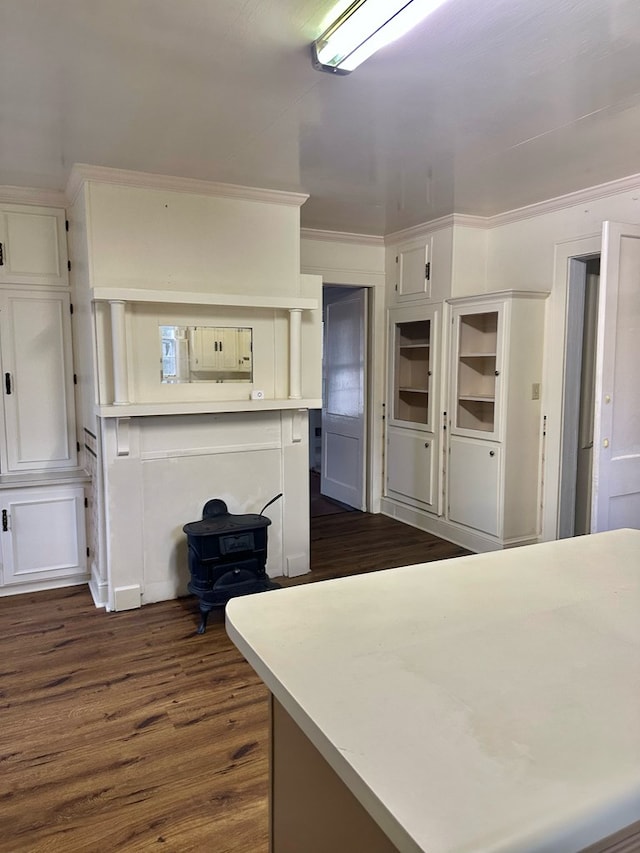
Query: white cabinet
column 494, row 419
column 42, row 534
column 474, row 483
column 33, row 248
column 411, row 472
column 412, row 437
column 413, row 272
column 37, row 381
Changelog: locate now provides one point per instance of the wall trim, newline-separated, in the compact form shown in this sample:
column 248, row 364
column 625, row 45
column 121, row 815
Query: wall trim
column 81, row 173
column 562, row 202
column 31, row 195
column 341, row 237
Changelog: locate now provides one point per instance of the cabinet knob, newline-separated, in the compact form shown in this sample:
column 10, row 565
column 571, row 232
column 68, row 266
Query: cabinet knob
column 497, row 372
column 492, row 453
column 426, row 444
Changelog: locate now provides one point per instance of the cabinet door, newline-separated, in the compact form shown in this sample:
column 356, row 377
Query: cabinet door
column 228, row 341
column 410, row 466
column 34, row 249
column 42, row 534
column 413, row 367
column 39, row 414
column 476, row 367
column 413, row 275
column 474, row 484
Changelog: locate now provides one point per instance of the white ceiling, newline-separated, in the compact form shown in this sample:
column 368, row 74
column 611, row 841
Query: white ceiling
column 487, row 106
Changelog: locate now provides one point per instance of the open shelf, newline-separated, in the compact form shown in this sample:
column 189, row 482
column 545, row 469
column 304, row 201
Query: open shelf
column 476, row 371
column 412, row 371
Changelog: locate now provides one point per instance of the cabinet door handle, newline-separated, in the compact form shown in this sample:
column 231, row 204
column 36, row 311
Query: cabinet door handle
column 492, row 453
column 426, row 444
column 1, row 255
column 7, row 383
column 220, row 346
column 497, row 372
column 5, row 521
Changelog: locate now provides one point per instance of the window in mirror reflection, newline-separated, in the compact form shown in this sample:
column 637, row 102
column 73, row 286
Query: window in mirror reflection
column 206, row 354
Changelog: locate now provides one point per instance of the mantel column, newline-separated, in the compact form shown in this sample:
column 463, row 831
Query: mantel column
column 295, row 353
column 119, row 351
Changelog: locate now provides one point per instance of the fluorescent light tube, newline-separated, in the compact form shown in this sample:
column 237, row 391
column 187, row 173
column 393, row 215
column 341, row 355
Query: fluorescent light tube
column 363, row 28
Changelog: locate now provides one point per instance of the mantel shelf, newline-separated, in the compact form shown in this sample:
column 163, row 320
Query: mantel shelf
column 138, row 410
column 132, row 294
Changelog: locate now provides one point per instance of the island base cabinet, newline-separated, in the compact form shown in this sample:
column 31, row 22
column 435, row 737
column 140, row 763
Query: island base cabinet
column 410, row 468
column 474, row 484
column 42, row 535
column 311, row 808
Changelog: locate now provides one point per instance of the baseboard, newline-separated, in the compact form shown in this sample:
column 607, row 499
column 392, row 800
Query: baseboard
column 455, row 533
column 99, row 590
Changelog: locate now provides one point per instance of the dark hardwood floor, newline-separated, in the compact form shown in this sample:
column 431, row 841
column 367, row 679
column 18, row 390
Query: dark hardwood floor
column 129, row 732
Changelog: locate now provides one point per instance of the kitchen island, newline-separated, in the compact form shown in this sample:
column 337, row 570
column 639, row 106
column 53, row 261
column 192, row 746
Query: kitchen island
column 485, row 703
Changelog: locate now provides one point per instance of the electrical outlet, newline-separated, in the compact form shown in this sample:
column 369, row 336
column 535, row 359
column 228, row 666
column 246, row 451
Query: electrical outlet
column 535, row 391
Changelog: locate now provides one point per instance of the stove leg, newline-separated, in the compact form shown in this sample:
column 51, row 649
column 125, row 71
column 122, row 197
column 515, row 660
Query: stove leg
column 202, row 627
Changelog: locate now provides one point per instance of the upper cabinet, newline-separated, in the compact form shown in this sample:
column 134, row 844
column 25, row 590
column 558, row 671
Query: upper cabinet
column 33, row 249
column 419, row 269
column 413, row 275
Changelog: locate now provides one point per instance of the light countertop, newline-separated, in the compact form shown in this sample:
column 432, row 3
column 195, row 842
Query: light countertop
column 486, row 703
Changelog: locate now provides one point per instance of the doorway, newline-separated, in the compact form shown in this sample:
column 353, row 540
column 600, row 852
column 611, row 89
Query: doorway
column 338, row 432
column 576, row 473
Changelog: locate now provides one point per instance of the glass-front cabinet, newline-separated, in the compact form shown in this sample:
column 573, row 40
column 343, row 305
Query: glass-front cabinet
column 412, row 369
column 477, row 358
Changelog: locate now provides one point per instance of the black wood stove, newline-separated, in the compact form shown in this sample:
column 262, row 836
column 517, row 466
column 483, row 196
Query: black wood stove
column 227, row 556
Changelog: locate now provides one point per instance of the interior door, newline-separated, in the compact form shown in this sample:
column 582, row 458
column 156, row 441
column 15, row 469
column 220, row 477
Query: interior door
column 616, row 460
column 343, row 403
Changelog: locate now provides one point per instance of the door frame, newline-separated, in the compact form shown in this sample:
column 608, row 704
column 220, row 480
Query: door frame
column 369, row 390
column 343, row 294
column 553, row 392
column 576, row 298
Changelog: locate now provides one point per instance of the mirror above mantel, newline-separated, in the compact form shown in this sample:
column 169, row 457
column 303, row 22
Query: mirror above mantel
column 206, row 354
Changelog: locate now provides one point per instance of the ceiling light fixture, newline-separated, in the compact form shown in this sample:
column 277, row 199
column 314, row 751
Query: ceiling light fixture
column 363, row 28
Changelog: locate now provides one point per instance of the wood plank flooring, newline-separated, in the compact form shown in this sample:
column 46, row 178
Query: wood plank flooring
column 129, row 732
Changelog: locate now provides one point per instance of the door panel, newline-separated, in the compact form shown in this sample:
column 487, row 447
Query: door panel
column 616, row 461
column 38, row 389
column 410, row 469
column 343, row 406
column 474, row 478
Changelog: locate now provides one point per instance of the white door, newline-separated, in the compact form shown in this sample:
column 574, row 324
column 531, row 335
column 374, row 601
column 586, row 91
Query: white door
column 343, row 402
column 616, row 459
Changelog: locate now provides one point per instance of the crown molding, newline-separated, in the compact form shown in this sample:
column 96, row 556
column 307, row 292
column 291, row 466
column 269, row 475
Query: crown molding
column 561, row 202
column 29, row 195
column 81, row 173
column 341, row 237
column 418, row 232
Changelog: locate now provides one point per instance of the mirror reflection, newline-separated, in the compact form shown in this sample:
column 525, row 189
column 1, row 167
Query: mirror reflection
column 206, row 354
